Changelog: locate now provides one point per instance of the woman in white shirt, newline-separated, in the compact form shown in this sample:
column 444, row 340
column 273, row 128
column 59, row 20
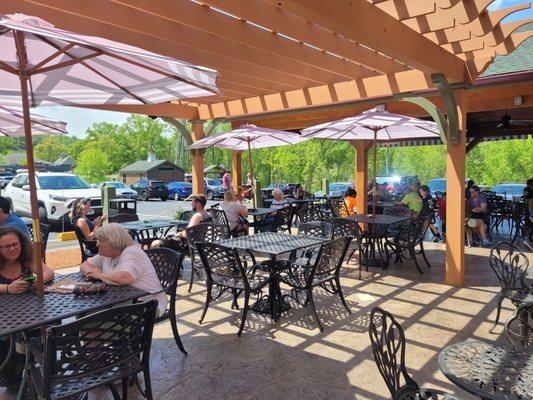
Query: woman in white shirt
column 121, row 261
column 236, row 214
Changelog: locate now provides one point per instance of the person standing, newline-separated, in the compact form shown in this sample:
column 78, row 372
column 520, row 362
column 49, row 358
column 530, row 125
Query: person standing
column 226, row 181
column 7, row 218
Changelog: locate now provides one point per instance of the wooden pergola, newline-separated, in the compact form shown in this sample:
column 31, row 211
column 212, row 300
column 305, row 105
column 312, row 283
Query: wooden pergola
column 290, row 64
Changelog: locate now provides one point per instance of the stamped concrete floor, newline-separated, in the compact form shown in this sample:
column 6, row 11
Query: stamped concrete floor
column 292, row 359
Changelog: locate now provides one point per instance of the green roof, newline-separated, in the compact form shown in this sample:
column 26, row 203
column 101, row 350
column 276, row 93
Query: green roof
column 521, row 59
column 143, row 166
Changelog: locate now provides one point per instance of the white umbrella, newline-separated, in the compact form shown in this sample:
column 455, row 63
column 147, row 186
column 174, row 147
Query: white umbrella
column 248, row 137
column 12, row 123
column 377, row 125
column 43, row 65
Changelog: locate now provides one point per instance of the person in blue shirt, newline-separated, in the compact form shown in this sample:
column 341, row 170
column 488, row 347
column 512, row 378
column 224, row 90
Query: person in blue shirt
column 7, row 218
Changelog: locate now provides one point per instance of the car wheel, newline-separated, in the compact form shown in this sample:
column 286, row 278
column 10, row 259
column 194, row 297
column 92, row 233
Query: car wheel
column 144, row 196
column 164, row 198
column 176, row 196
column 43, row 215
column 209, row 195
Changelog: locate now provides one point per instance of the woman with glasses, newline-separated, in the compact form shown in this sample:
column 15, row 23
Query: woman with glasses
column 84, row 227
column 16, row 261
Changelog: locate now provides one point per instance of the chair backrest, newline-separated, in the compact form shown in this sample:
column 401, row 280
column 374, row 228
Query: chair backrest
column 337, row 206
column 510, row 265
column 206, row 232
column 345, row 227
column 98, row 342
column 187, row 215
column 44, row 232
column 330, row 257
column 283, row 218
column 123, row 217
column 309, row 214
column 519, row 330
column 388, row 347
column 219, row 217
column 222, row 265
column 317, row 229
column 87, row 247
column 398, row 211
column 167, row 264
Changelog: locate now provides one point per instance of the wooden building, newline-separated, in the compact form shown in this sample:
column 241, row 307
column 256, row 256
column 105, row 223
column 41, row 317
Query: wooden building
column 158, row 170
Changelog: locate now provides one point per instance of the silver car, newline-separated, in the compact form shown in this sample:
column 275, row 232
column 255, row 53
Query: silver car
column 122, row 190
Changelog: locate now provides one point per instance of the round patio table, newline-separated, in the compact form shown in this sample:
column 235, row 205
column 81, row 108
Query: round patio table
column 489, row 371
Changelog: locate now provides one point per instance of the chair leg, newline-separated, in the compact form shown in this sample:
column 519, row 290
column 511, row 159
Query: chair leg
column 113, row 390
column 498, row 311
column 412, row 252
column 174, row 326
column 244, row 311
column 341, row 295
column 207, row 300
column 424, row 254
column 313, row 308
column 191, row 279
column 125, row 388
column 147, row 384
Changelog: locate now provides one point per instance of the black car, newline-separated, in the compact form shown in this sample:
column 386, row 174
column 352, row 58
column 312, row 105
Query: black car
column 151, row 189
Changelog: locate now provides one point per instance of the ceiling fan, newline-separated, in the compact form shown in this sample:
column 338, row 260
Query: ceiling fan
column 507, row 121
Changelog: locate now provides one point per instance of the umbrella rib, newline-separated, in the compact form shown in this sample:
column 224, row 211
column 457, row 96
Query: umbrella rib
column 66, row 63
column 51, row 57
column 8, row 68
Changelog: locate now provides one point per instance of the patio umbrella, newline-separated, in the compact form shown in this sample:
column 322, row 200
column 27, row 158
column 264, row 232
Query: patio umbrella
column 248, row 137
column 377, row 125
column 12, row 123
column 43, row 65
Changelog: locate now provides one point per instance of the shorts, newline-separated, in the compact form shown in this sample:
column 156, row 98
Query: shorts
column 179, row 244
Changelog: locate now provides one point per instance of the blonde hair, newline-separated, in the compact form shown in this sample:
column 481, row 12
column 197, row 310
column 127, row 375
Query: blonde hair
column 229, row 197
column 77, row 207
column 116, row 235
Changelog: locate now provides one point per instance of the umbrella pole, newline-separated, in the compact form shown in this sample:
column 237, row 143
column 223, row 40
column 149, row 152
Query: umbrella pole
column 21, row 53
column 251, row 172
column 374, row 191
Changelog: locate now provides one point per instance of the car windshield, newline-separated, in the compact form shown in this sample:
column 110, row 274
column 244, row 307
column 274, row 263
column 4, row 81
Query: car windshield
column 335, row 187
column 157, row 183
column 213, row 182
column 56, row 182
column 118, row 185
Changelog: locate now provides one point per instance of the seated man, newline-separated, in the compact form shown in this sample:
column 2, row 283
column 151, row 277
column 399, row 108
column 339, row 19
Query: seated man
column 412, row 200
column 7, row 218
column 349, row 206
column 178, row 241
column 477, row 209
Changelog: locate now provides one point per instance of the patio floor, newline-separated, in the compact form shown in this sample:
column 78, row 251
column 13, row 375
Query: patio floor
column 292, row 359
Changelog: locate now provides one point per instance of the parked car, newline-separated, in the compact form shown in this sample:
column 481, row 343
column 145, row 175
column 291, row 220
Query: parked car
column 266, row 192
column 439, row 184
column 55, row 194
column 5, row 178
column 188, row 178
column 148, row 189
column 179, row 190
column 337, row 189
column 122, row 190
column 213, row 188
column 509, row 190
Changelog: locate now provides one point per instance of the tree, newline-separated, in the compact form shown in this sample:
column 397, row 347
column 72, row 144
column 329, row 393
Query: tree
column 50, row 148
column 93, row 165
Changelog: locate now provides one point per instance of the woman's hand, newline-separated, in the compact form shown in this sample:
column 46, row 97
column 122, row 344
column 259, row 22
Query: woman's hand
column 18, row 286
column 93, row 273
column 103, row 218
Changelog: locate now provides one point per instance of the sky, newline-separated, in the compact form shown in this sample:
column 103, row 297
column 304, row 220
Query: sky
column 78, row 119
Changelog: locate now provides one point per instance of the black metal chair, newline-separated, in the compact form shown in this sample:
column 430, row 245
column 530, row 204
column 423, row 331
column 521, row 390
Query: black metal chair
column 398, row 211
column 344, row 227
column 407, row 238
column 518, row 328
column 167, row 264
column 223, row 268
column 187, row 215
column 519, row 218
column 44, row 231
column 325, row 270
column 388, row 347
column 88, row 248
column 317, row 229
column 337, row 207
column 219, row 217
column 123, row 217
column 283, row 220
column 94, row 351
column 309, row 214
column 205, row 232
column 510, row 266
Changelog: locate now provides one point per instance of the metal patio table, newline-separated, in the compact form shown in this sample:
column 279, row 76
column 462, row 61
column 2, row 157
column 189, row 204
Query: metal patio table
column 26, row 311
column 151, row 229
column 273, row 244
column 488, row 370
column 378, row 225
column 259, row 214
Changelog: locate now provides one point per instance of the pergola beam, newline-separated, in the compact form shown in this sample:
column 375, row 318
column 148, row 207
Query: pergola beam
column 364, row 23
column 171, row 110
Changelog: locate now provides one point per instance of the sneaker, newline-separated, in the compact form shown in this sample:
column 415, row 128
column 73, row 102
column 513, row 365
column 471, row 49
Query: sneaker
column 437, row 238
column 528, row 244
column 487, row 243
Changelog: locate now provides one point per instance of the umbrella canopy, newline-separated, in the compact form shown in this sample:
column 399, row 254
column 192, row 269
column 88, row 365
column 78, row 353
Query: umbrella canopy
column 12, row 123
column 249, row 137
column 375, row 124
column 68, row 68
column 43, row 65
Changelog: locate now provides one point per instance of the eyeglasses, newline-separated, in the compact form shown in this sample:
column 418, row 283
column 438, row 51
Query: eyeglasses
column 10, row 246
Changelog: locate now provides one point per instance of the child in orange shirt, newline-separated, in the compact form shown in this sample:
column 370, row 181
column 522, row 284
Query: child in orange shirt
column 350, row 203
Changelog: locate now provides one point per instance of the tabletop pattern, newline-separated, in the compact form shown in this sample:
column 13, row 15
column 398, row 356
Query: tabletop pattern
column 489, row 371
column 378, row 219
column 25, row 311
column 152, row 224
column 271, row 242
column 260, row 211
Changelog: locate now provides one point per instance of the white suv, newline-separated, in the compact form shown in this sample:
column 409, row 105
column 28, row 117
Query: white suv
column 55, row 193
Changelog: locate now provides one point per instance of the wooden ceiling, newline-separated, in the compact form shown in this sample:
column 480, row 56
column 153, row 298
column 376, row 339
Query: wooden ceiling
column 276, row 55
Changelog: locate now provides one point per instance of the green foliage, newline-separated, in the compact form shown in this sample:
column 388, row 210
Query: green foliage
column 93, row 165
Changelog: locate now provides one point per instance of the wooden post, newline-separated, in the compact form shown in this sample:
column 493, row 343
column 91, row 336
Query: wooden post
column 455, row 198
column 197, row 158
column 236, row 169
column 361, row 174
